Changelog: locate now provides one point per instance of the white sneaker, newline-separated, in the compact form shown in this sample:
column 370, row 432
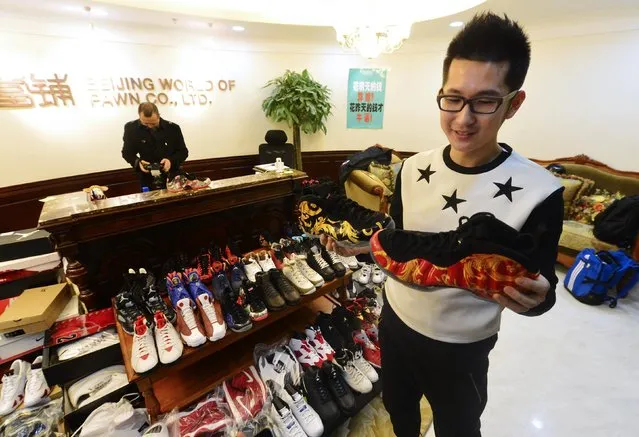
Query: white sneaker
column 306, row 416
column 13, row 384
column 144, row 356
column 293, row 274
column 218, row 326
column 251, row 267
column 352, row 375
column 363, row 275
column 378, row 275
column 350, row 262
column 37, row 390
column 277, row 366
column 168, row 342
column 285, row 420
column 315, row 278
column 317, row 341
column 265, row 261
column 190, row 327
column 97, row 385
column 88, row 344
column 304, row 352
column 364, row 366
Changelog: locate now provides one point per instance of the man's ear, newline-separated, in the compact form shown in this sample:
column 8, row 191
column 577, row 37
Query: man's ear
column 515, row 104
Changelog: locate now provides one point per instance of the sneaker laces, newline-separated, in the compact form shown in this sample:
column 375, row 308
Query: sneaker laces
column 165, row 335
column 143, row 346
column 321, row 388
column 334, row 257
column 34, row 381
column 209, row 309
column 338, row 382
column 297, row 274
column 360, row 361
column 320, row 261
column 9, row 384
column 189, row 318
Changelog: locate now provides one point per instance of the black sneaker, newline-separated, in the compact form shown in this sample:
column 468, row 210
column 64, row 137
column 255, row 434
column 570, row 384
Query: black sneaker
column 315, row 261
column 319, row 397
column 128, row 310
column 284, row 286
column 236, row 318
column 272, row 298
column 495, row 254
column 151, row 297
column 346, row 322
column 341, row 218
column 331, row 334
column 341, row 392
column 252, row 303
column 334, row 261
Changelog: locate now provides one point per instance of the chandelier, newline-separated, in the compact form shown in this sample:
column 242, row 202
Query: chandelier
column 372, row 40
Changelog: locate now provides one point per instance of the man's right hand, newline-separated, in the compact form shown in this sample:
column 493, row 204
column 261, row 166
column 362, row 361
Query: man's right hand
column 331, row 244
column 142, row 166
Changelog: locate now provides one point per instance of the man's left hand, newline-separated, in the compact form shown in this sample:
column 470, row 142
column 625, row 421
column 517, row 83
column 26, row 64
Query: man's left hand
column 528, row 294
column 166, row 165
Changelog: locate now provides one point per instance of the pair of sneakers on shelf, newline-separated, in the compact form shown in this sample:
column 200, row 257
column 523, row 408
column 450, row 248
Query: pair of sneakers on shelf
column 275, row 288
column 215, row 260
column 241, row 305
column 23, row 382
column 369, row 273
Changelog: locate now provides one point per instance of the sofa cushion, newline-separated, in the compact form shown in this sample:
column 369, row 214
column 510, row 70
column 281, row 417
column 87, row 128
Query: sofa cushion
column 586, row 208
column 627, row 184
column 578, row 236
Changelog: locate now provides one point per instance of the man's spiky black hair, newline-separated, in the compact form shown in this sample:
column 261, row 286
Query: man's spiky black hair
column 491, row 38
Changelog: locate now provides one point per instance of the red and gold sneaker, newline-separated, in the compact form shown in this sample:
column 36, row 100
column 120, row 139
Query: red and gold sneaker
column 483, row 255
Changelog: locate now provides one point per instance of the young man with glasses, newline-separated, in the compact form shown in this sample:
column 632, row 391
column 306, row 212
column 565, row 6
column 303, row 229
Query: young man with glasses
column 436, row 343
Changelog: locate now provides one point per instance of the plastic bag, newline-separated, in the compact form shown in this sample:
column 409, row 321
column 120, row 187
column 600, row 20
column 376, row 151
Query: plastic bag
column 39, row 421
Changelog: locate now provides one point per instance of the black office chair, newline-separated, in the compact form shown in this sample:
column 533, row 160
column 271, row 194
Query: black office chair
column 277, row 147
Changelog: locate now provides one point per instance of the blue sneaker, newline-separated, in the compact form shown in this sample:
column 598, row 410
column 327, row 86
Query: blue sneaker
column 211, row 314
column 236, row 318
column 237, row 276
column 188, row 325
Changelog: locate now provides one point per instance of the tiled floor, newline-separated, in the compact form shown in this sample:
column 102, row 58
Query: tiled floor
column 573, row 372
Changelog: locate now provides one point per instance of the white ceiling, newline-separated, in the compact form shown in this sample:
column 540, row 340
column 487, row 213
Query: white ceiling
column 538, row 14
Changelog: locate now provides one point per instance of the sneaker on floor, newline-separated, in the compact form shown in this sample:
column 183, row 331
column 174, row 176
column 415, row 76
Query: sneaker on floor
column 364, row 365
column 245, row 394
column 363, row 275
column 370, row 352
column 351, row 373
column 236, row 318
column 188, row 324
column 315, row 261
column 285, row 420
column 316, row 341
column 330, row 332
column 345, row 322
column 291, row 270
column 209, row 310
column 251, row 268
column 272, row 297
column 127, row 310
column 36, row 390
column 337, row 386
column 483, row 255
column 86, row 345
column 284, row 286
column 266, row 261
column 159, row 429
column 144, row 355
column 207, row 417
column 306, row 416
column 319, row 396
column 252, row 302
column 168, row 342
column 13, row 385
column 377, row 275
column 316, row 279
column 372, row 332
column 341, row 218
column 304, row 352
column 280, row 368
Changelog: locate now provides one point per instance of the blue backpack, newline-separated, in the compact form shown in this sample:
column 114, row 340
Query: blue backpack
column 594, row 274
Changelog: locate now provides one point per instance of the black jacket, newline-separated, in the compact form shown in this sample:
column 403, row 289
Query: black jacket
column 361, row 160
column 154, row 145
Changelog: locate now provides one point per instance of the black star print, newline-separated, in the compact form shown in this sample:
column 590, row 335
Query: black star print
column 452, row 201
column 426, row 174
column 506, row 189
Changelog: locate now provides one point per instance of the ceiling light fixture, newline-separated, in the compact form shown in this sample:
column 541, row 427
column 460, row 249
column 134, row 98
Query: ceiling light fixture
column 372, row 40
column 456, row 24
column 238, row 28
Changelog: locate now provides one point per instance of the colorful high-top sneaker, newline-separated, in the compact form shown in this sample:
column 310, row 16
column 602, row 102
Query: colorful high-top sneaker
column 188, row 323
column 208, row 307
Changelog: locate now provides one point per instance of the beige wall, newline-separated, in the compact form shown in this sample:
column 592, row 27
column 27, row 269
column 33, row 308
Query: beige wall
column 581, row 98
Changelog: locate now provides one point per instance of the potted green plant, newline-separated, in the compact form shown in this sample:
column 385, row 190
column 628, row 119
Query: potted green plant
column 301, row 102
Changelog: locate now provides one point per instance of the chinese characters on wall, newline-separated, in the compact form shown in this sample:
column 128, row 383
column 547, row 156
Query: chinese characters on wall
column 32, row 91
column 365, row 98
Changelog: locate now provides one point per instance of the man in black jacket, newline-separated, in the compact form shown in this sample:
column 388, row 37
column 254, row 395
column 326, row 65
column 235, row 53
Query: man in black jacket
column 151, row 139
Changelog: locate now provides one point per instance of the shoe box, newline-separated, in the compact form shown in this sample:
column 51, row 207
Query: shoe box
column 75, row 328
column 25, row 243
column 74, row 418
column 36, row 309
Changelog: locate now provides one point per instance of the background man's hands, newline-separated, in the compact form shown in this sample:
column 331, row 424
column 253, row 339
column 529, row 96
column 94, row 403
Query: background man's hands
column 166, row 165
column 142, row 164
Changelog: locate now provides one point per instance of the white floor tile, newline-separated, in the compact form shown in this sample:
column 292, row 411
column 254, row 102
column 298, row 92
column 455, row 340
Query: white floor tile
column 573, row 372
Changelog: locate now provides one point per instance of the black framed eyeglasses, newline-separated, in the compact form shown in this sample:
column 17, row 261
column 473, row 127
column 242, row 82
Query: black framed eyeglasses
column 478, row 105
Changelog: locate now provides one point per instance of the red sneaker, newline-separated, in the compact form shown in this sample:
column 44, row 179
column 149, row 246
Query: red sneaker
column 230, row 259
column 246, row 394
column 277, row 255
column 371, row 332
column 304, row 352
column 371, row 352
column 206, row 417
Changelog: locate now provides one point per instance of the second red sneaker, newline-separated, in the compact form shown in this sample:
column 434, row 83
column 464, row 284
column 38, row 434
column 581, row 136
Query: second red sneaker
column 245, row 394
column 371, row 352
column 206, row 417
column 304, row 352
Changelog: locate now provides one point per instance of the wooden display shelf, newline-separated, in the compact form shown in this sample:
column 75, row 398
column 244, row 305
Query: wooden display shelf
column 200, row 369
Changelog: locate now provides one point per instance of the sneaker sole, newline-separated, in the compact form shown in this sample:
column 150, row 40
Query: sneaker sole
column 241, row 328
column 498, row 272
